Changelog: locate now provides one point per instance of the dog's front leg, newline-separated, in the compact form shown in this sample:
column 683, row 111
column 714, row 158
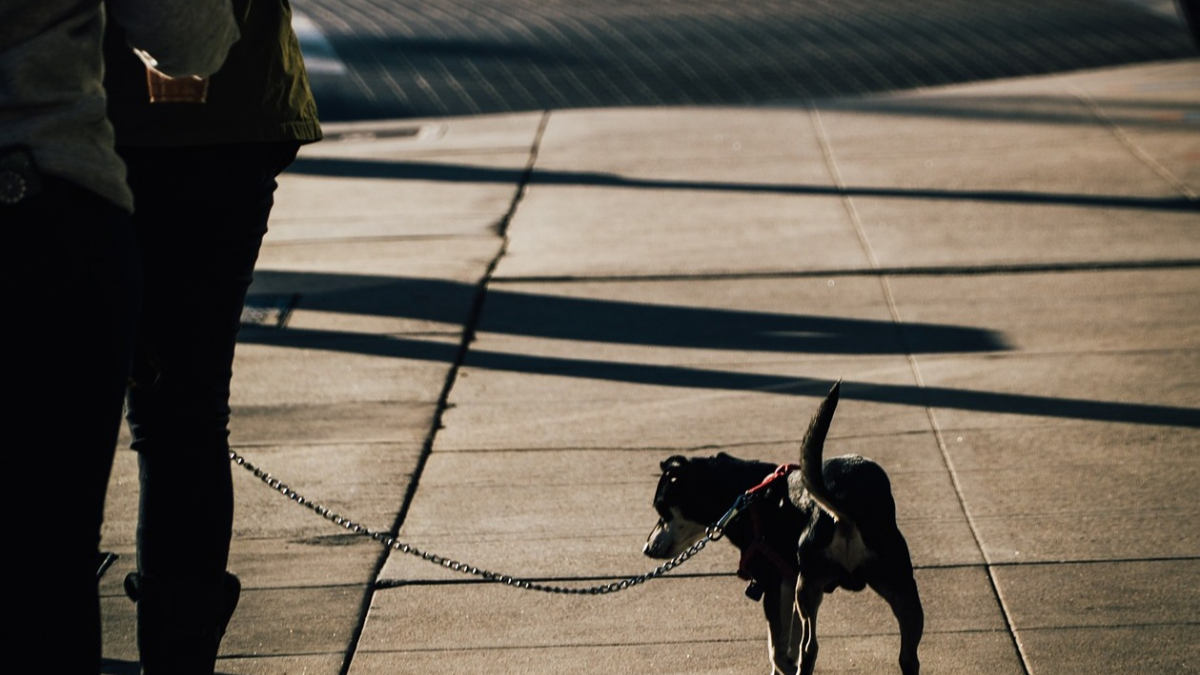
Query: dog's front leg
column 808, row 601
column 783, row 630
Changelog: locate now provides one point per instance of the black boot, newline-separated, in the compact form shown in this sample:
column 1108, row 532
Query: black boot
column 180, row 625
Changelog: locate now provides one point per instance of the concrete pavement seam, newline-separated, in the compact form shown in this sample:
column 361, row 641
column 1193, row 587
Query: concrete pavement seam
column 664, row 643
column 471, row 324
column 981, row 269
column 1129, row 145
column 939, row 437
column 468, row 336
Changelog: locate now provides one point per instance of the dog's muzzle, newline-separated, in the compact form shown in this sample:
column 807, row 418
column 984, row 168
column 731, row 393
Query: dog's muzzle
column 672, row 537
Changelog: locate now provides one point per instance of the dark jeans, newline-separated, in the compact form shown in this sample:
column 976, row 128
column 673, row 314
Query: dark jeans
column 72, row 288
column 201, row 213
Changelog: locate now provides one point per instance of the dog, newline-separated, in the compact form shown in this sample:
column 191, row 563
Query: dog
column 803, row 533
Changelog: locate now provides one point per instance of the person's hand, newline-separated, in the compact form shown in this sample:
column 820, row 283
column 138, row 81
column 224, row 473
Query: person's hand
column 163, row 89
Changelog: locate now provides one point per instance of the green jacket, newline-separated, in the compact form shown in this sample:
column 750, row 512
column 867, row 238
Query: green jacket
column 261, row 92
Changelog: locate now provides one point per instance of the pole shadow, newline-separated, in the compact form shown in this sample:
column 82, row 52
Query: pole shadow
column 459, row 173
column 589, row 321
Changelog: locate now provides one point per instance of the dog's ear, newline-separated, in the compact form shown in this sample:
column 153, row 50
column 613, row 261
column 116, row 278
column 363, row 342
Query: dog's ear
column 673, row 462
column 726, row 459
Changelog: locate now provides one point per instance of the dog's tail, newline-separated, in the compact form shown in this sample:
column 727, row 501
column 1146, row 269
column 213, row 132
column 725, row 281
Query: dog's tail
column 811, row 456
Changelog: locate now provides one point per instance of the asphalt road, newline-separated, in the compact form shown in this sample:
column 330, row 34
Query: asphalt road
column 374, row 59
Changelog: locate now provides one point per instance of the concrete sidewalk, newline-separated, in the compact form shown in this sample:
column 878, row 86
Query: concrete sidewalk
column 489, row 331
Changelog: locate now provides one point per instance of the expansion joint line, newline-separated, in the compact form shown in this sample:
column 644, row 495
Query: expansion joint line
column 468, row 336
column 522, row 187
column 1133, row 148
column 939, row 437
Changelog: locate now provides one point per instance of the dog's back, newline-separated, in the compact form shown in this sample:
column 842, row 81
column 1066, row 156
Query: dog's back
column 857, row 488
column 851, row 489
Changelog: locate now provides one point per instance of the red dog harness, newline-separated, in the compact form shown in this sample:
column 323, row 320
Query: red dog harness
column 758, row 548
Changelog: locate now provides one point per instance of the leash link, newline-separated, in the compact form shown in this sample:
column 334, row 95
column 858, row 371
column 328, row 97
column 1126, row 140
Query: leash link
column 712, row 534
column 717, row 530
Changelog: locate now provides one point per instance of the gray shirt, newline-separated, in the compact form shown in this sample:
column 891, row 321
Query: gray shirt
column 51, row 75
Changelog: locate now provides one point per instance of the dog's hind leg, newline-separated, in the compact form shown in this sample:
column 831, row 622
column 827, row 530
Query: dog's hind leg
column 808, row 601
column 900, row 591
column 783, row 629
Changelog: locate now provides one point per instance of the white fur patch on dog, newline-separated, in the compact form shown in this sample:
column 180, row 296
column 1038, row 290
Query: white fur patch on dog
column 848, row 549
column 672, row 537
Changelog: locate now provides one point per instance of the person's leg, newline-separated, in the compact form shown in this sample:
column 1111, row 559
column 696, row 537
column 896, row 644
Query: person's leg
column 201, row 215
column 1189, row 12
column 71, row 279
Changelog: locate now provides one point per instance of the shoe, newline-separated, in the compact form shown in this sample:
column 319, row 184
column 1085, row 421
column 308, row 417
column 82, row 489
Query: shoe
column 179, row 628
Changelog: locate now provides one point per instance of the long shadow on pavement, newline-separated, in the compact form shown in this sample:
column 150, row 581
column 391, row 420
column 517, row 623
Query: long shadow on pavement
column 607, row 321
column 455, row 173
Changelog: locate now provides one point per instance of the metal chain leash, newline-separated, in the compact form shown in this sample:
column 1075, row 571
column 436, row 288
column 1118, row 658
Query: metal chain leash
column 713, row 534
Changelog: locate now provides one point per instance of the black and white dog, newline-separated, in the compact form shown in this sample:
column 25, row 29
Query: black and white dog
column 802, row 534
